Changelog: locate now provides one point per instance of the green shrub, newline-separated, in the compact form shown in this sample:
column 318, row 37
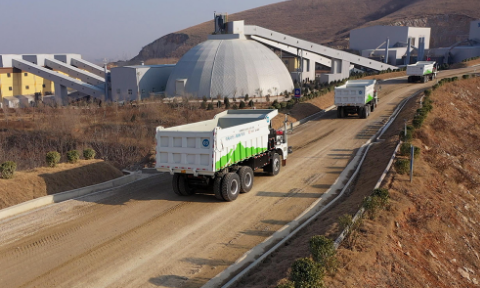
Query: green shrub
column 405, row 149
column 246, row 98
column 242, row 104
column 277, row 105
column 72, row 156
column 402, row 166
column 274, row 102
column 52, row 158
column 428, row 92
column 234, row 107
column 323, row 252
column 271, row 107
column 408, row 137
column 203, row 105
column 284, row 104
column 210, row 106
column 204, row 98
column 226, row 101
column 251, row 103
column 306, row 274
column 418, row 121
column 8, row 169
column 382, row 194
column 219, row 104
column 89, row 154
column 466, row 76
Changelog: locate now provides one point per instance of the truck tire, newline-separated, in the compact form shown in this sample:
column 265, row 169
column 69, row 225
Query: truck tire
column 361, row 113
column 217, row 188
column 274, row 167
column 339, row 112
column 230, row 186
column 175, row 181
column 372, row 108
column 246, row 178
column 184, row 187
column 343, row 114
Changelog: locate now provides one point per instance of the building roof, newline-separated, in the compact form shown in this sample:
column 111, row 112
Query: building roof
column 228, row 68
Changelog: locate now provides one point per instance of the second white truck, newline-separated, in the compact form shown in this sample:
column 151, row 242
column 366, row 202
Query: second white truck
column 356, row 97
column 422, row 71
column 220, row 155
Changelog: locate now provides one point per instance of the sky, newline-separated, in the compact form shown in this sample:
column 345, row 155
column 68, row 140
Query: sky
column 98, row 29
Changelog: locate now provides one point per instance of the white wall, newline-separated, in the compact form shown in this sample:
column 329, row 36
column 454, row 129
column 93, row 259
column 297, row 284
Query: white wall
column 150, row 79
column 372, row 37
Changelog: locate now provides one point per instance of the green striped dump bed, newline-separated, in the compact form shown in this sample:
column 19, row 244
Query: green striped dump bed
column 355, row 93
column 421, row 68
column 206, row 147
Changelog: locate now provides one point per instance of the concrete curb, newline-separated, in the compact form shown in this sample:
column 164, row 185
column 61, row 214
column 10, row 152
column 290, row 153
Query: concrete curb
column 256, row 255
column 63, row 196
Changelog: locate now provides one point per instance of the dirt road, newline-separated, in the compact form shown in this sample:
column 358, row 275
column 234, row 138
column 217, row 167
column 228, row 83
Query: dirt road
column 144, row 235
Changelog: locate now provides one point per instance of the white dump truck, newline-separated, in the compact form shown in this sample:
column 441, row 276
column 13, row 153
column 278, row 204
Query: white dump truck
column 356, row 97
column 422, row 71
column 220, row 155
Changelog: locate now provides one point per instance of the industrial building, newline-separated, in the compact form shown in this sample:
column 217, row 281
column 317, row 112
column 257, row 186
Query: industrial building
column 236, row 60
column 372, row 42
column 139, row 82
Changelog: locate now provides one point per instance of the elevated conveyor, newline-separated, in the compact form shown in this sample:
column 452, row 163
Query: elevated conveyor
column 90, row 67
column 58, row 79
column 288, row 43
column 74, row 72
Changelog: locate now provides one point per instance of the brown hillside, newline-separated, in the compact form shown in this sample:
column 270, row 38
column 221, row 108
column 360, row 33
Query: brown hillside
column 329, row 22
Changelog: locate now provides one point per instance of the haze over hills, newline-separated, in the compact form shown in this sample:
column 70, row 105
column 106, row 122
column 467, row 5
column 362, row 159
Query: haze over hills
column 329, row 22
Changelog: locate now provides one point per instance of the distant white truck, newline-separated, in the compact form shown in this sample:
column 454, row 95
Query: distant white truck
column 356, row 97
column 220, row 155
column 422, row 71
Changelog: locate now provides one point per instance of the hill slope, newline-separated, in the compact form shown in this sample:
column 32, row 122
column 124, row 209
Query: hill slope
column 329, row 22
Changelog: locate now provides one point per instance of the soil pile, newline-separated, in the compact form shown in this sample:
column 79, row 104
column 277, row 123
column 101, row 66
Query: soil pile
column 28, row 185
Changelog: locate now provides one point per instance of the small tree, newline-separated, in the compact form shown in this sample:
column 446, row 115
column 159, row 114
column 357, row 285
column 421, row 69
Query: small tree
column 226, row 101
column 306, row 274
column 89, row 154
column 52, row 158
column 210, row 106
column 203, row 105
column 246, row 98
column 242, row 105
column 72, row 156
column 204, row 98
column 251, row 103
column 235, row 107
column 8, row 169
column 323, row 252
column 219, row 104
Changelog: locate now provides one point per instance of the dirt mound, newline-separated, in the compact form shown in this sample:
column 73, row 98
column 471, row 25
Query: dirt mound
column 28, row 185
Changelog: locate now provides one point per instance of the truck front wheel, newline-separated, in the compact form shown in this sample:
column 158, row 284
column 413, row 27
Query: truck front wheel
column 246, row 178
column 230, row 186
column 274, row 167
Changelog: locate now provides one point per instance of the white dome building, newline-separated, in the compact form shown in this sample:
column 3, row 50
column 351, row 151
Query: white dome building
column 229, row 67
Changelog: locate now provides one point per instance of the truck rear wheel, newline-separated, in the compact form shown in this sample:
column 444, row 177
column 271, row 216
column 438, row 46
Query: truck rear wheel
column 274, row 167
column 175, row 180
column 230, row 186
column 372, row 107
column 184, row 187
column 217, row 188
column 246, row 178
column 342, row 112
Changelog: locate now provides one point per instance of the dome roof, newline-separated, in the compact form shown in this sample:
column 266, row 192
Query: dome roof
column 229, row 67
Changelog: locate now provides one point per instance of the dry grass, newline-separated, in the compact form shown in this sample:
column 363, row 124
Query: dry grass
column 429, row 237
